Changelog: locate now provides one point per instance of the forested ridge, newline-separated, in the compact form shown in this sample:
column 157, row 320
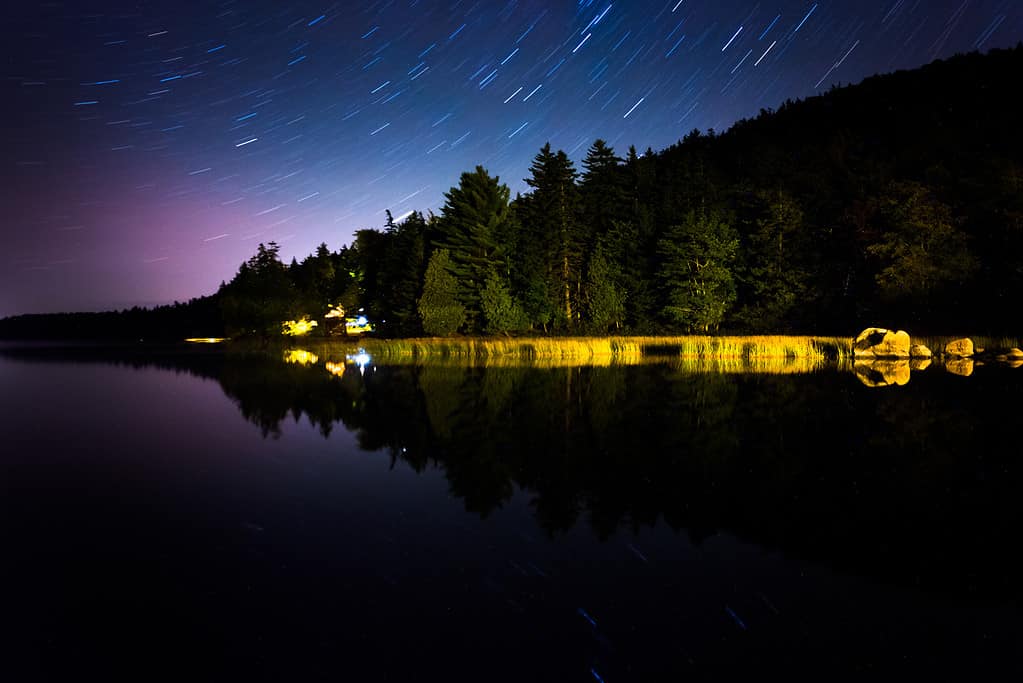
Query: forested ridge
column 897, row 201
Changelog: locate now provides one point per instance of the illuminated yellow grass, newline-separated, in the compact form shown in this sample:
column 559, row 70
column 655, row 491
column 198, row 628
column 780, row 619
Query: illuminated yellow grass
column 774, row 354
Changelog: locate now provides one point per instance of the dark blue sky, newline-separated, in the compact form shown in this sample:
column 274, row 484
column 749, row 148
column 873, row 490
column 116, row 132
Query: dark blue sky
column 151, row 146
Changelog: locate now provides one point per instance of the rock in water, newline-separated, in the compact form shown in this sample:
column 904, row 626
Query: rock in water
column 959, row 348
column 877, row 342
column 919, row 351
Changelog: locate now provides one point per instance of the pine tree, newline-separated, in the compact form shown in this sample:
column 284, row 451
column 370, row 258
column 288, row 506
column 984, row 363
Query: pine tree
column 501, row 313
column 772, row 281
column 602, row 190
column 552, row 226
column 532, row 265
column 261, row 296
column 439, row 309
column 474, row 227
column 921, row 251
column 402, row 274
column 603, row 300
column 697, row 257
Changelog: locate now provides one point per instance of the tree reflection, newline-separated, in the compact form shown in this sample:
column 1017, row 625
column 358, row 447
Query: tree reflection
column 917, row 485
column 816, row 465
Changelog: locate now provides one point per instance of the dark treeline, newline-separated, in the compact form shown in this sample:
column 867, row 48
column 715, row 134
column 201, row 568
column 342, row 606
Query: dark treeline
column 897, row 201
column 200, row 317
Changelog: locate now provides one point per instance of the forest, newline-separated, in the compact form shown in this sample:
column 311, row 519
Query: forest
column 895, row 202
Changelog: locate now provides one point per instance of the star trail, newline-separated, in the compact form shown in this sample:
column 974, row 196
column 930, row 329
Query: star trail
column 151, row 146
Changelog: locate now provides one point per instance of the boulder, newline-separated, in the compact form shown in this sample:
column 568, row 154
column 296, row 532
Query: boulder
column 882, row 373
column 959, row 348
column 919, row 351
column 877, row 342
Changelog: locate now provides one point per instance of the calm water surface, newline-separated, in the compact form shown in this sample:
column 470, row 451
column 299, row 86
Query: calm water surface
column 199, row 516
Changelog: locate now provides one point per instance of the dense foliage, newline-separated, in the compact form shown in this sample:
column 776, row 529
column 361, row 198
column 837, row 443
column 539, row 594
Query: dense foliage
column 898, row 201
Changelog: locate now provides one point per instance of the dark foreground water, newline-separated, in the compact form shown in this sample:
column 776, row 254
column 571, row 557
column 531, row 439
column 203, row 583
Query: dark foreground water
column 193, row 517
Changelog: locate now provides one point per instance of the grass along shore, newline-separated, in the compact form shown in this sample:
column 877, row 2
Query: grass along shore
column 781, row 354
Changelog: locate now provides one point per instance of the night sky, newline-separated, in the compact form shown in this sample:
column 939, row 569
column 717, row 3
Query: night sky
column 148, row 147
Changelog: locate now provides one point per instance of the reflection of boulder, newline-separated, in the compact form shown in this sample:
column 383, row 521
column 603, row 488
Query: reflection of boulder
column 916, row 364
column 882, row 373
column 960, row 366
column 1013, row 355
column 919, row 351
column 960, row 348
column 877, row 342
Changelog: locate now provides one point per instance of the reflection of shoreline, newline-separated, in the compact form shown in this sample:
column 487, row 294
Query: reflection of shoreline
column 335, row 362
column 805, row 462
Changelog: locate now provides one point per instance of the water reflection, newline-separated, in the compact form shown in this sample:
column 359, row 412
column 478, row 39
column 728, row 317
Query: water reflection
column 915, row 485
column 883, row 373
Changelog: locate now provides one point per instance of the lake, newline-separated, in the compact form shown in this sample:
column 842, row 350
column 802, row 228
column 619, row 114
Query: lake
column 202, row 515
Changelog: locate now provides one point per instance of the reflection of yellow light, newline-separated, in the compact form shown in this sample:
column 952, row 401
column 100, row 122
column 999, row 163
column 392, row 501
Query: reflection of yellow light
column 205, row 340
column 297, row 328
column 300, row 356
column 336, row 369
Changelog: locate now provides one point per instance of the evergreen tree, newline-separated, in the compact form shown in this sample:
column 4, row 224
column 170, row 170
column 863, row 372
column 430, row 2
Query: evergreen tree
column 602, row 190
column 532, row 265
column 772, row 282
column 402, row 273
column 474, row 227
column 348, row 279
column 603, row 300
column 370, row 250
column 921, row 251
column 633, row 240
column 260, row 297
column 316, row 283
column 501, row 313
column 439, row 308
column 551, row 224
column 697, row 257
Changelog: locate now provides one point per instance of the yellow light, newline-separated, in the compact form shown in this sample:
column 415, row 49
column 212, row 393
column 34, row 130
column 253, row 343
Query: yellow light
column 300, row 357
column 205, row 340
column 336, row 312
column 336, row 369
column 297, row 328
column 358, row 325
